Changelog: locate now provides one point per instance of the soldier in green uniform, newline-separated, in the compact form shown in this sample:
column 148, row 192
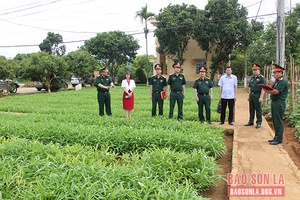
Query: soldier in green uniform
column 203, row 93
column 278, row 96
column 103, row 83
column 176, row 88
column 255, row 96
column 158, row 85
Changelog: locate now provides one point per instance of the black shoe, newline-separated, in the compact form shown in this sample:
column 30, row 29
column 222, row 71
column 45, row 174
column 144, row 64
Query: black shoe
column 201, row 122
column 249, row 124
column 209, row 122
column 270, row 140
column 221, row 123
column 258, row 125
column 230, row 123
column 274, row 143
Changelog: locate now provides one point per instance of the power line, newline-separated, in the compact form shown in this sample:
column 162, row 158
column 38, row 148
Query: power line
column 135, row 32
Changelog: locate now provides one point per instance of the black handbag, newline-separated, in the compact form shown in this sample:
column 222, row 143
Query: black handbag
column 219, row 107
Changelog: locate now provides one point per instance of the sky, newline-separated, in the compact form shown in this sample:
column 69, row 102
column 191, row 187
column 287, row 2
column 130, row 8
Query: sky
column 25, row 24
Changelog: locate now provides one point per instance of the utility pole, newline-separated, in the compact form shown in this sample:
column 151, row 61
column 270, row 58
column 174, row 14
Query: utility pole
column 280, row 43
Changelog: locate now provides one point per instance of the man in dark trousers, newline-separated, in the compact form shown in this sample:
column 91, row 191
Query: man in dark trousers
column 176, row 88
column 158, row 85
column 103, row 83
column 255, row 96
column 203, row 93
column 278, row 96
column 228, row 92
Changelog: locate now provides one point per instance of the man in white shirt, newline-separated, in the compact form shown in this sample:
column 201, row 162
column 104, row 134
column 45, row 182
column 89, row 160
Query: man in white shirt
column 228, row 91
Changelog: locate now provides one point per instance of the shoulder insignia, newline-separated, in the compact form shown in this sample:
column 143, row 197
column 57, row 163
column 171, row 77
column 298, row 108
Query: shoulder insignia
column 182, row 74
column 207, row 78
column 153, row 76
column 171, row 74
column 198, row 79
column 163, row 76
column 261, row 76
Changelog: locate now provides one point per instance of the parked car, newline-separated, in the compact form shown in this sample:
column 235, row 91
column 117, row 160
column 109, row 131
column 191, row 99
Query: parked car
column 77, row 80
column 55, row 84
column 89, row 81
column 9, row 85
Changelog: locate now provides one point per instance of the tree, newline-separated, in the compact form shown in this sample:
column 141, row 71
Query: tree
column 221, row 28
column 174, row 29
column 140, row 76
column 43, row 67
column 8, row 68
column 263, row 51
column 293, row 36
column 144, row 16
column 81, row 63
column 112, row 49
column 51, row 44
column 143, row 63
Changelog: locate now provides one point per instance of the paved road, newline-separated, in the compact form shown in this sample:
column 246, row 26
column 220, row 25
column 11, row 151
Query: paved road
column 28, row 90
column 252, row 155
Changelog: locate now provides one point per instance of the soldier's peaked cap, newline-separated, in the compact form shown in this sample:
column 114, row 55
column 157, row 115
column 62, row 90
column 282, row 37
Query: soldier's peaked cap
column 278, row 68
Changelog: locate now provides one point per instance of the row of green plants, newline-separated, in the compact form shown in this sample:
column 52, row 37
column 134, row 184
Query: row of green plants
column 56, row 146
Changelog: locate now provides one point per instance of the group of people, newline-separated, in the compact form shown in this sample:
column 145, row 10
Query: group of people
column 203, row 85
column 104, row 82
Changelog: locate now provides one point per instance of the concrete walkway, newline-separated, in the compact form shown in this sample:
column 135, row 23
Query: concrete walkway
column 255, row 162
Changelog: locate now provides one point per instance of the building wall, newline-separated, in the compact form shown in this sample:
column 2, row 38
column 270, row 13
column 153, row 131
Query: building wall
column 193, row 55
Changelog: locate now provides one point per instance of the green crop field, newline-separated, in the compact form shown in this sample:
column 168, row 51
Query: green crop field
column 56, row 146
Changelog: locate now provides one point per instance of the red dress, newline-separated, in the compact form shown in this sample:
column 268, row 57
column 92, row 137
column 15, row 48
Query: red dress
column 128, row 103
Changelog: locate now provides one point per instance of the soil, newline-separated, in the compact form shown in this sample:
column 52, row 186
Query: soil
column 290, row 144
column 220, row 191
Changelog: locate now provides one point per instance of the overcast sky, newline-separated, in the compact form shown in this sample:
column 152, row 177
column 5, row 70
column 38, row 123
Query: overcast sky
column 27, row 22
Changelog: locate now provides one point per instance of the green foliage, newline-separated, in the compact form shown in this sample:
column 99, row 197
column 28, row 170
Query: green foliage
column 140, row 76
column 43, row 67
column 51, row 44
column 64, row 150
column 174, row 29
column 81, row 63
column 8, row 68
column 113, row 49
column 224, row 27
column 144, row 63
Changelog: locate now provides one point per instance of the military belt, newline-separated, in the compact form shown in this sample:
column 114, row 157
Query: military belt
column 156, row 92
column 177, row 91
column 104, row 92
column 203, row 94
column 278, row 100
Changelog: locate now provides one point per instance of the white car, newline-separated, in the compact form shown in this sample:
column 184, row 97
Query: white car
column 75, row 81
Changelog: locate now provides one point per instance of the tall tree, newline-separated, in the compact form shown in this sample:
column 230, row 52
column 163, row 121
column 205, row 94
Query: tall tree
column 81, row 63
column 112, row 49
column 174, row 29
column 51, row 44
column 293, row 35
column 223, row 26
column 43, row 67
column 144, row 16
column 143, row 62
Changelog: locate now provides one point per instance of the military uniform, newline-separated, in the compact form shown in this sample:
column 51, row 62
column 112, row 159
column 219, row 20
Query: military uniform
column 278, row 106
column 176, row 83
column 158, row 83
column 103, row 94
column 254, row 104
column 203, row 86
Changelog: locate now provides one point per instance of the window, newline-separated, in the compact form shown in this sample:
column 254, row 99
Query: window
column 199, row 64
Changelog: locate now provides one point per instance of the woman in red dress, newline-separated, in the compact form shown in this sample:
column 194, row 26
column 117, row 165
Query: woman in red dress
column 128, row 85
